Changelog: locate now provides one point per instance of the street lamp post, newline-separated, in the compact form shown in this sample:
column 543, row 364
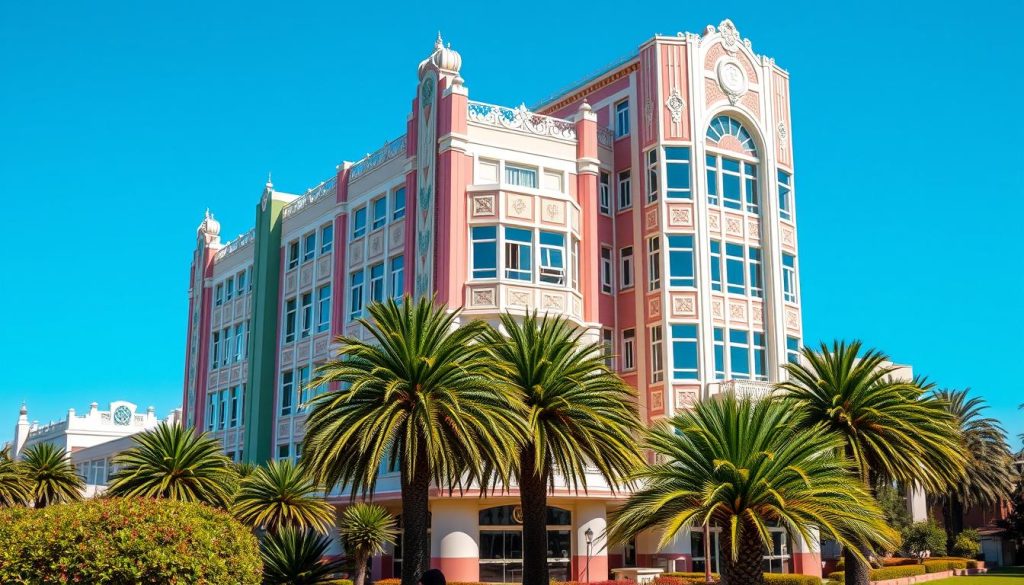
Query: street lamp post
column 589, row 534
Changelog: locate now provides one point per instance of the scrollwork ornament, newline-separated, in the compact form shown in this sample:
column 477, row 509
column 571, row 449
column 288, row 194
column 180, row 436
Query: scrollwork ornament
column 675, row 105
column 730, row 36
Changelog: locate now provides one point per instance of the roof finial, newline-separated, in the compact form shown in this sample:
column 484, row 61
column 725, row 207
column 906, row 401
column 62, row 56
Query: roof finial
column 208, row 214
column 270, row 183
column 438, row 44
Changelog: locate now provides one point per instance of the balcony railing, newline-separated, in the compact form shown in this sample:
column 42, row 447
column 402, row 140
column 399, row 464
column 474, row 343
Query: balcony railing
column 605, row 137
column 751, row 388
column 521, row 120
column 235, row 245
column 389, row 151
column 311, row 196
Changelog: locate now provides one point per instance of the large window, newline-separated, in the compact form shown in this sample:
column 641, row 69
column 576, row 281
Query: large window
column 309, row 247
column 625, row 191
column 607, row 272
column 397, row 286
column 485, row 251
column 654, row 263
column 680, row 260
column 754, row 270
column 377, row 283
column 501, row 544
column 605, row 193
column 793, row 349
column 518, row 254
column 398, row 204
column 552, row 257
column 290, row 314
column 380, row 213
column 746, row 351
column 785, row 195
column 628, row 349
column 355, row 291
column 307, row 315
column 287, row 392
column 323, row 302
column 359, row 223
column 626, row 267
column 657, row 354
column 293, row 254
column 622, row 119
column 521, row 176
column 744, row 272
column 685, row 365
column 326, row 238
column 789, row 278
column 677, row 172
column 732, row 182
column 734, row 270
column 652, row 175
column 716, row 265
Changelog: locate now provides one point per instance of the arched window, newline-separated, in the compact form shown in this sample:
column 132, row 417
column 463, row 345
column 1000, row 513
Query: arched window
column 723, row 126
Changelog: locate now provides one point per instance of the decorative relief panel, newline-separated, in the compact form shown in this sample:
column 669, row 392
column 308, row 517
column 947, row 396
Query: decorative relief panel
column 684, row 304
column 715, row 222
column 287, row 356
column 306, row 275
column 675, row 105
column 718, row 309
column 289, row 282
column 685, row 398
column 754, row 229
column 211, row 381
column 519, row 206
column 303, row 352
column 355, row 252
column 239, row 305
column 680, row 215
column 738, row 311
column 657, row 401
column 788, row 237
column 324, row 265
column 236, row 372
column 651, row 218
column 654, row 307
column 792, row 319
column 483, row 205
column 734, row 225
column 552, row 211
column 752, row 103
column 757, row 313
column 577, row 306
column 574, row 219
column 519, row 297
column 713, row 92
column 352, row 330
column 376, row 244
column 483, row 297
column 320, row 345
column 552, row 301
column 396, row 236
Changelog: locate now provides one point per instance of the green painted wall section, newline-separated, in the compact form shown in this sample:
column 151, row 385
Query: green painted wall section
column 259, row 398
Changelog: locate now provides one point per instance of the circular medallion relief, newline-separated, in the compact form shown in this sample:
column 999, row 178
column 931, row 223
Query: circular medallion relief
column 731, row 77
column 122, row 416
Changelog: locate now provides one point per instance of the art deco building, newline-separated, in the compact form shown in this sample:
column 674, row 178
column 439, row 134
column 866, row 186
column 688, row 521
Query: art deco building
column 652, row 204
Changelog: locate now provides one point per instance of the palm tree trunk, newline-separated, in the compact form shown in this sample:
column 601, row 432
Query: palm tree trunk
column 360, row 577
column 857, row 572
column 533, row 498
column 415, row 518
column 747, row 569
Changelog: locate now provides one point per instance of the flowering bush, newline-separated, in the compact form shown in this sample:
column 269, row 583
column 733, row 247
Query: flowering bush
column 114, row 541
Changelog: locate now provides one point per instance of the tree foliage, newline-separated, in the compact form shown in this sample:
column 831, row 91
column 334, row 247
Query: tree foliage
column 51, row 477
column 281, row 494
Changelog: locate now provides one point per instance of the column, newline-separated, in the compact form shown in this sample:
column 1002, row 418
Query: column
column 590, row 565
column 917, row 504
column 454, row 539
column 806, row 554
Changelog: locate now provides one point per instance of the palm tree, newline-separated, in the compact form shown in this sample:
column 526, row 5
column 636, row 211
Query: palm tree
column 364, row 530
column 51, row 477
column 989, row 478
column 172, row 462
column 280, row 495
column 14, row 489
column 293, row 557
column 747, row 465
column 419, row 398
column 578, row 413
column 892, row 429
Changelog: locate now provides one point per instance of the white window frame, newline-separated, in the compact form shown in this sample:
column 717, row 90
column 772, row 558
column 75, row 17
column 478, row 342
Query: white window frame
column 326, row 238
column 291, row 316
column 356, row 303
column 604, row 192
column 624, row 180
column 657, row 338
column 790, row 294
column 626, row 276
column 377, row 282
column 607, row 271
column 654, row 263
column 309, row 247
column 622, row 118
column 652, row 159
column 377, row 223
column 396, row 278
column 323, row 306
column 628, row 349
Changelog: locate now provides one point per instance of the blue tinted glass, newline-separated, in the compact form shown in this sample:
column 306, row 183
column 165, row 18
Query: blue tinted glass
column 731, row 165
column 678, row 176
column 485, row 256
column 759, row 339
column 377, row 271
column 719, row 334
column 485, row 233
column 731, row 187
column 552, row 238
column 792, row 343
column 738, row 336
column 712, row 182
column 680, row 241
column 711, row 161
column 677, row 153
column 784, row 177
column 788, row 260
column 739, row 360
column 518, row 235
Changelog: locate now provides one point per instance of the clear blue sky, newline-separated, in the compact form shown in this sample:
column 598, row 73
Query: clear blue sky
column 120, row 122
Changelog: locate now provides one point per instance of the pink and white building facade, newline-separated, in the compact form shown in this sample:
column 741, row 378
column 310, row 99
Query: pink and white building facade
column 652, row 204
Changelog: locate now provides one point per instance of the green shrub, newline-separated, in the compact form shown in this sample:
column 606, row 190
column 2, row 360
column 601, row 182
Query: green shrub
column 837, row 576
column 925, row 536
column 900, row 561
column 690, row 575
column 337, row 582
column 886, row 573
column 931, row 566
column 790, row 579
column 972, row 564
column 967, row 544
column 111, row 541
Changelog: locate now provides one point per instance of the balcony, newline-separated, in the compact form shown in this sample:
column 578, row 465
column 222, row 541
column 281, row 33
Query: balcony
column 521, row 120
column 746, row 388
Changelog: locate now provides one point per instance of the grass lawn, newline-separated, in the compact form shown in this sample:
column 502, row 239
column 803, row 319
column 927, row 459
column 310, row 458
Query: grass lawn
column 1005, row 576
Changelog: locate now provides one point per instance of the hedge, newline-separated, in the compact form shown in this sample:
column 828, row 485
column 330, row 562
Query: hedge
column 943, row 565
column 111, row 541
column 769, row 578
column 884, row 574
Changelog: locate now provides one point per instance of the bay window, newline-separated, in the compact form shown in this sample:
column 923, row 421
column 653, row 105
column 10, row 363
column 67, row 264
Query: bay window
column 652, row 175
column 657, row 355
column 677, row 172
column 785, row 195
column 680, row 261
column 747, row 353
column 485, row 251
column 739, row 354
column 685, row 364
column 654, row 263
column 520, row 176
column 552, row 257
column 518, row 254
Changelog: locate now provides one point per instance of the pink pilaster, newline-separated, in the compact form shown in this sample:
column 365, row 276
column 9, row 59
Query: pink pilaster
column 586, row 189
column 454, row 173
